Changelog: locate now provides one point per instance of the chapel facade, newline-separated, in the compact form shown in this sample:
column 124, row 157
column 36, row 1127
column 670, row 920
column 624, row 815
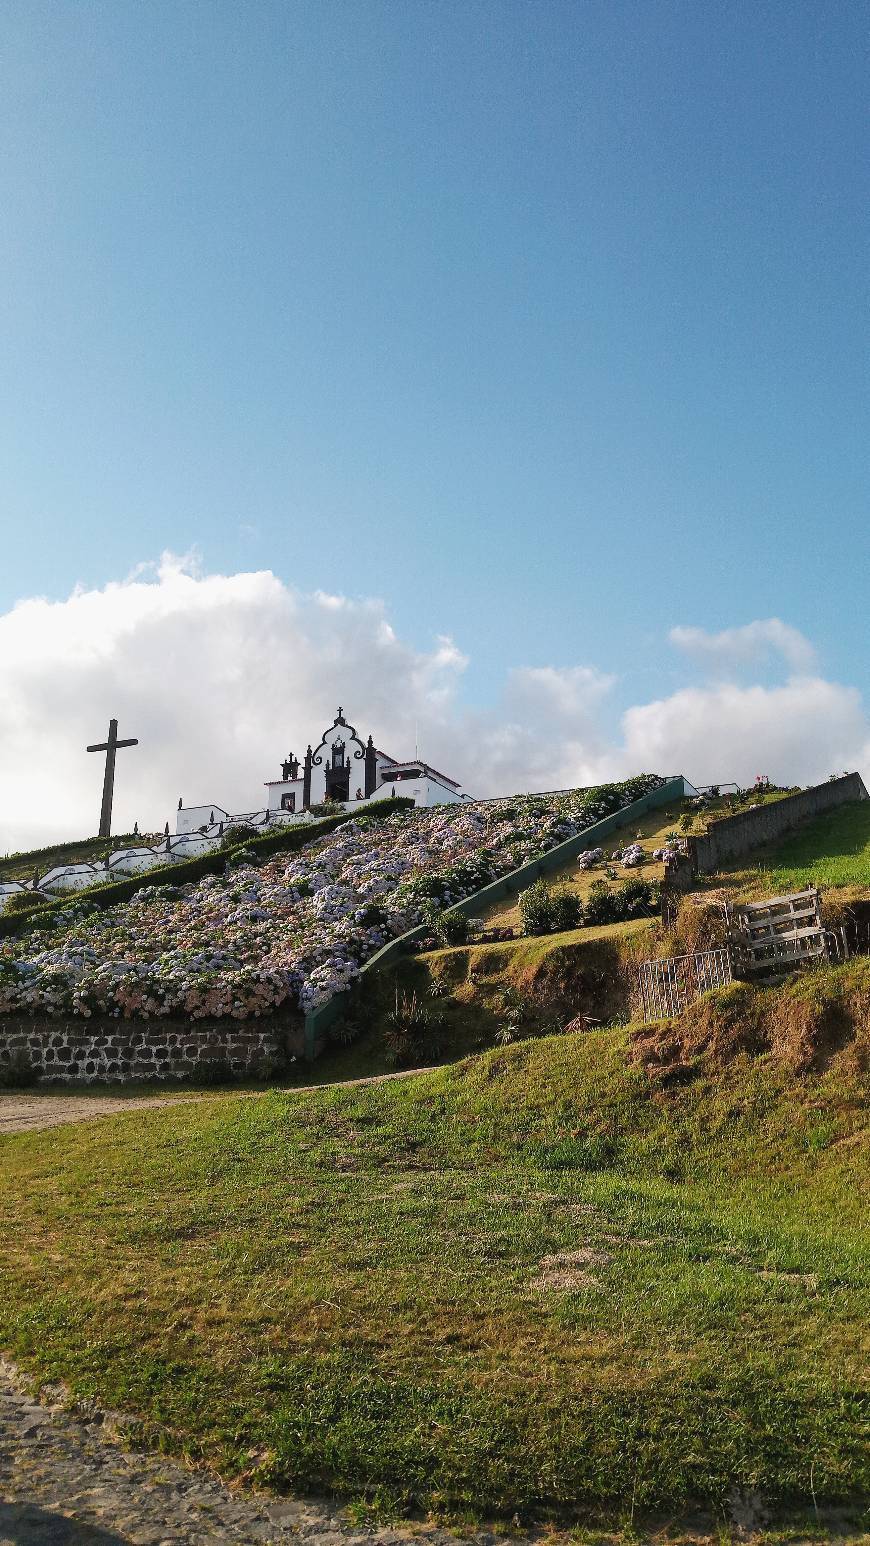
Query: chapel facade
column 344, row 769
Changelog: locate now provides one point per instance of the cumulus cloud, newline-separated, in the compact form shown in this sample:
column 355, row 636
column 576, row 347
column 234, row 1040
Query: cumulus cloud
column 221, row 676
column 798, row 732
column 543, row 733
column 750, row 645
column 218, row 676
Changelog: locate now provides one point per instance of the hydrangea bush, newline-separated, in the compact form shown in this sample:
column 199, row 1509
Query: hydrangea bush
column 295, row 930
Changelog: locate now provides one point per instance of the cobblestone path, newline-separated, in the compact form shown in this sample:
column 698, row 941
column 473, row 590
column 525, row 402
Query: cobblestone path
column 65, row 1482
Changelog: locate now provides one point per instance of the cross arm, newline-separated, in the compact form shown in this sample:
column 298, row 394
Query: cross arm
column 103, row 746
column 134, row 742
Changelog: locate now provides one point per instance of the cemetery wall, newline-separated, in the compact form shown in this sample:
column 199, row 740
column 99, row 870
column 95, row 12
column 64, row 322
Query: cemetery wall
column 108, row 1050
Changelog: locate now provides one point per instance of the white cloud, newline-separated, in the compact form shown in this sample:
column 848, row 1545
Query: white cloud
column 796, row 733
column 750, row 645
column 543, row 734
column 220, row 676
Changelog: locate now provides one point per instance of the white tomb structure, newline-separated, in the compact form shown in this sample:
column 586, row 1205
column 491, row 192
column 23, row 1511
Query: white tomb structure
column 341, row 770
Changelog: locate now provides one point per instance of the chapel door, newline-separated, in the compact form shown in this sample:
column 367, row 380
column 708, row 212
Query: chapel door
column 338, row 775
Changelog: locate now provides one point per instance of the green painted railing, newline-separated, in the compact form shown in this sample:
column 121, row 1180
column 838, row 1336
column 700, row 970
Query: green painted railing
column 318, row 1021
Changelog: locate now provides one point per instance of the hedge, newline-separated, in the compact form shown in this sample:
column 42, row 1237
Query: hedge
column 286, row 840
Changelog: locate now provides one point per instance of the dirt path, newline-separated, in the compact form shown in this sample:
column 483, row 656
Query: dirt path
column 29, row 1113
column 21, row 1113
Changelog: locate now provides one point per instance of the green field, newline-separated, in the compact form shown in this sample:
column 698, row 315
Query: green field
column 831, row 851
column 530, row 1282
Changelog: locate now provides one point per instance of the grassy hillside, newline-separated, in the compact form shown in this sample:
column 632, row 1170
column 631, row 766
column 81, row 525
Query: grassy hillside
column 652, row 830
column 831, row 851
column 534, row 1281
column 86, row 850
column 476, row 996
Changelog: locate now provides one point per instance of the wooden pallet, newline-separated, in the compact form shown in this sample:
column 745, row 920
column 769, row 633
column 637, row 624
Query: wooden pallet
column 774, row 937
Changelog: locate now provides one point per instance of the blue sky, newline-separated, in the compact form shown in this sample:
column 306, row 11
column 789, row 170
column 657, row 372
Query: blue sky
column 546, row 323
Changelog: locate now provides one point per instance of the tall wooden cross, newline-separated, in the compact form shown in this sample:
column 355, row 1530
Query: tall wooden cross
column 109, row 746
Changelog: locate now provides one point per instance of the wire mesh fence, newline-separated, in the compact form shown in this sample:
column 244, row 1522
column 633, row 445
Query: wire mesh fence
column 667, row 987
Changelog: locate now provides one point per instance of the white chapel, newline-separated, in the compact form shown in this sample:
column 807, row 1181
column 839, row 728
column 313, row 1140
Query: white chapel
column 341, row 769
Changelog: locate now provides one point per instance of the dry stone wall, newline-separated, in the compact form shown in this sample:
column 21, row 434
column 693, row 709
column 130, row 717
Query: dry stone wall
column 76, row 1051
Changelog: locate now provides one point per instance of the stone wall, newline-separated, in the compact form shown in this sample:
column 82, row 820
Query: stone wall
column 106, row 1050
column 734, row 836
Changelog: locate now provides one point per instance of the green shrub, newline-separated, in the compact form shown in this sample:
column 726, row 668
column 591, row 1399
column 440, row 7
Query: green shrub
column 633, row 899
column 451, row 927
column 600, row 904
column 536, row 908
column 547, row 911
column 566, row 908
column 413, row 1034
column 23, row 901
column 239, row 836
column 379, row 808
column 343, row 1032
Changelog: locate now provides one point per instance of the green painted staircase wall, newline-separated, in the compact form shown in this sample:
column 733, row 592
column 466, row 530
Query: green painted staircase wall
column 318, row 1021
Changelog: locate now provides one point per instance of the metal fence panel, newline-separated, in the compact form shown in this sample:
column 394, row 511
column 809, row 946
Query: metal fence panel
column 668, row 986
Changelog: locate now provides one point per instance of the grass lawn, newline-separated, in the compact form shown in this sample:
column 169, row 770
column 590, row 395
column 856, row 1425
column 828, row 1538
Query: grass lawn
column 526, row 1282
column 831, row 851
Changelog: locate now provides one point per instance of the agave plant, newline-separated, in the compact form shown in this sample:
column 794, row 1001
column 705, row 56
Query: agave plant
column 412, row 1032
